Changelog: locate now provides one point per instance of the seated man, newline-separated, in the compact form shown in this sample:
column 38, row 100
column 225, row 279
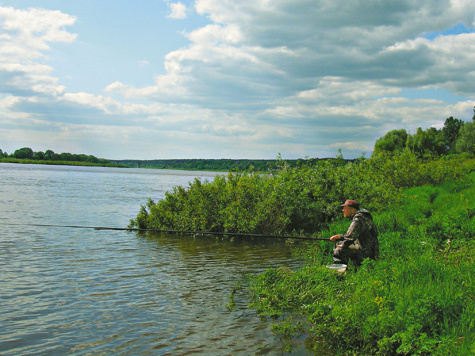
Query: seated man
column 361, row 239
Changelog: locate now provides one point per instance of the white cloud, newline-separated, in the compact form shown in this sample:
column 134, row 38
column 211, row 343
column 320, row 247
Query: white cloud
column 215, row 34
column 28, row 32
column 178, row 11
column 143, row 63
column 25, row 37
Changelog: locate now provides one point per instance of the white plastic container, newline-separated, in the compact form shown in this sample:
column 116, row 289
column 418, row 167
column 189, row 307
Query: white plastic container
column 340, row 268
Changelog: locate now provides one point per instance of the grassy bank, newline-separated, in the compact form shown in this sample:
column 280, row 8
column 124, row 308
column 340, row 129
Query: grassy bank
column 417, row 299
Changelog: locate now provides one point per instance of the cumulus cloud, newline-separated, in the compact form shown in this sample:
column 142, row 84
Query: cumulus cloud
column 178, row 11
column 27, row 32
column 24, row 38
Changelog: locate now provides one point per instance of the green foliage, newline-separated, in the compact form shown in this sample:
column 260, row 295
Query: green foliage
column 240, row 202
column 417, row 299
column 466, row 139
column 23, row 153
column 451, row 131
column 393, row 141
column 456, row 136
column 427, row 142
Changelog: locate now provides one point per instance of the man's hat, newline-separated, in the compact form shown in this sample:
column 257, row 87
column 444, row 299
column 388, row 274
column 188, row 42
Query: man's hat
column 352, row 203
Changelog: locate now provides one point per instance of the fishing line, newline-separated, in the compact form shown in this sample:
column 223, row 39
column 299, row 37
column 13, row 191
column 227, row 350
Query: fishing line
column 167, row 231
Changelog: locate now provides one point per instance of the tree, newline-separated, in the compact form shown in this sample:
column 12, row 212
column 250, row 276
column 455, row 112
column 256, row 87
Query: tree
column 39, row 155
column 92, row 159
column 23, row 153
column 466, row 140
column 430, row 141
column 394, row 141
column 49, row 154
column 451, row 132
column 66, row 156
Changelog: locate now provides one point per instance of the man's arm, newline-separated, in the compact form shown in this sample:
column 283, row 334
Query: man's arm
column 354, row 231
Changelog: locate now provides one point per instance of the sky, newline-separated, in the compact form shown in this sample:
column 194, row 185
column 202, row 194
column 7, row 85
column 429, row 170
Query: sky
column 158, row 79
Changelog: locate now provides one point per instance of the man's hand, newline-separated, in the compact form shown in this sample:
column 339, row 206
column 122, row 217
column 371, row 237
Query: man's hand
column 335, row 237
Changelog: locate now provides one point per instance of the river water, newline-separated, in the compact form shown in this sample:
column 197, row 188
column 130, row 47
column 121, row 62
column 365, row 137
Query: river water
column 77, row 291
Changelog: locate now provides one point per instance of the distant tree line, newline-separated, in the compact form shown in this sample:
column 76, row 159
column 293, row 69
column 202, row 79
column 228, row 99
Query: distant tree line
column 26, row 153
column 225, row 165
column 456, row 136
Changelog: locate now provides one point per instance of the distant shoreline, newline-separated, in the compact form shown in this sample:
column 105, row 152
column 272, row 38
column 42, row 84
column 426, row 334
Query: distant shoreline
column 60, row 163
column 219, row 164
column 208, row 165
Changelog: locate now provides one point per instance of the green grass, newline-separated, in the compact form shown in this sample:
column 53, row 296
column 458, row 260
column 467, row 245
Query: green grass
column 418, row 299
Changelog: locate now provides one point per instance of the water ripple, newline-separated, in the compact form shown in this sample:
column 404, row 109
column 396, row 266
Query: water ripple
column 89, row 292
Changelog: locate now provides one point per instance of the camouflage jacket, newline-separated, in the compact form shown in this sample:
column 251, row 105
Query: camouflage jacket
column 363, row 231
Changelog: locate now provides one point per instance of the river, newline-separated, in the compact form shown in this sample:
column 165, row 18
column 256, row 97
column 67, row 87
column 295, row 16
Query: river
column 81, row 291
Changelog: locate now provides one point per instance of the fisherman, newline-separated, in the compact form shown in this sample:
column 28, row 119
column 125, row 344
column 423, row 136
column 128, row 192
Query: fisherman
column 361, row 239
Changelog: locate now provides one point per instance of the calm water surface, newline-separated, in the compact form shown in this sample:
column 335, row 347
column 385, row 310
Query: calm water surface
column 70, row 291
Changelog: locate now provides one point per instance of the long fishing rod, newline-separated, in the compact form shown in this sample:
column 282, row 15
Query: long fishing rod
column 169, row 231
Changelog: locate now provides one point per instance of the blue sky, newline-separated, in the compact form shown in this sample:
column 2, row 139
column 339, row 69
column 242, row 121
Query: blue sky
column 225, row 79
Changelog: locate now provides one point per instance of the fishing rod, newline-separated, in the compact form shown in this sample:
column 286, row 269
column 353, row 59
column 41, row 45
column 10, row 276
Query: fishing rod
column 171, row 231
